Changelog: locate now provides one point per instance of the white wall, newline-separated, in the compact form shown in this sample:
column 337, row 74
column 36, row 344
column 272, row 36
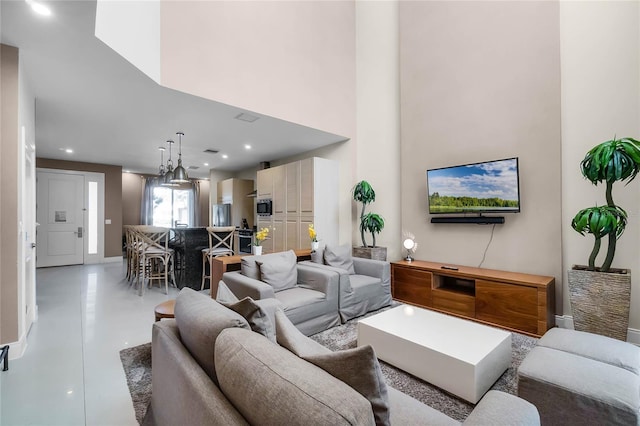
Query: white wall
column 26, row 228
column 120, row 22
column 290, row 60
column 378, row 119
column 481, row 81
column 600, row 53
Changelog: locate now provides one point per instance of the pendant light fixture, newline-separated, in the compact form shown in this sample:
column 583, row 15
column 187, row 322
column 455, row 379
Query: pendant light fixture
column 168, row 176
column 160, row 178
column 180, row 174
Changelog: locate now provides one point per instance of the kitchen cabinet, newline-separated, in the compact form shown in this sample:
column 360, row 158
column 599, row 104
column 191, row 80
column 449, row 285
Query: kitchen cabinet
column 264, row 185
column 303, row 192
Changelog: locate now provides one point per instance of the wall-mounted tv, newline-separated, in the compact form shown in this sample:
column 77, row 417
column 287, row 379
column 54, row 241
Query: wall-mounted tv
column 489, row 187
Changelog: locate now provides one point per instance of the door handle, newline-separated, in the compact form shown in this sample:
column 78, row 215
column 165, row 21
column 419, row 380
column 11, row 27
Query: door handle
column 33, row 245
column 79, row 232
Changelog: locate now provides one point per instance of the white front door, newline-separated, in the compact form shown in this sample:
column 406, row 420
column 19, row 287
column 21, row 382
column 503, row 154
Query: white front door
column 60, row 214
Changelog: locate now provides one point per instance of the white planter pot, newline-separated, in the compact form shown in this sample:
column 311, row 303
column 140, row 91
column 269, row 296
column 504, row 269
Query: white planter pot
column 256, row 250
column 315, row 245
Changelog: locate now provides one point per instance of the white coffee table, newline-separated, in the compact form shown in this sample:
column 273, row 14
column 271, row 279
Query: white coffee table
column 462, row 357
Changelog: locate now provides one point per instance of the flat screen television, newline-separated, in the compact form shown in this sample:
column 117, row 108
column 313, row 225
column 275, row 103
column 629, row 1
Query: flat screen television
column 489, row 187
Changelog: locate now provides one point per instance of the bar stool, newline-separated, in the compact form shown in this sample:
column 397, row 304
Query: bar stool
column 220, row 244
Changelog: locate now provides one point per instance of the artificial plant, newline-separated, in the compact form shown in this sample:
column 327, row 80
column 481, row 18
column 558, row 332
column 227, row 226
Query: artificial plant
column 369, row 222
column 609, row 162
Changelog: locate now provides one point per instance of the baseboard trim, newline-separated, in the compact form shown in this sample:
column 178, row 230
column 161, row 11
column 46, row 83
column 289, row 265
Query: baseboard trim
column 17, row 349
column 113, row 259
column 566, row 321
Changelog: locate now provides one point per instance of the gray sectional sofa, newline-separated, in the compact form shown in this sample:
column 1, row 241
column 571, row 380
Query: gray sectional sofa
column 210, row 368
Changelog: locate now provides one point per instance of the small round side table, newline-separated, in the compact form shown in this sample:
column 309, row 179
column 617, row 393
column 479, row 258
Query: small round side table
column 165, row 310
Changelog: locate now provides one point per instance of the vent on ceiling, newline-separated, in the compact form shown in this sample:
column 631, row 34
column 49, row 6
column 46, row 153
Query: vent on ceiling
column 193, row 167
column 246, row 117
column 211, row 151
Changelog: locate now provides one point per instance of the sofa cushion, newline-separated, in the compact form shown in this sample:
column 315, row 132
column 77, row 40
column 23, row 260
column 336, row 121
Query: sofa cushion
column 406, row 410
column 269, row 385
column 255, row 316
column 359, row 368
column 339, row 257
column 279, row 270
column 288, row 336
column 601, row 348
column 568, row 388
column 200, row 319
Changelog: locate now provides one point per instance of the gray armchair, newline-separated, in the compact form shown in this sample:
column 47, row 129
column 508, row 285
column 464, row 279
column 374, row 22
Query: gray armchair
column 309, row 295
column 365, row 284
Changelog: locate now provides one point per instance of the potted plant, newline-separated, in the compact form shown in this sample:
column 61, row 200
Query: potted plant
column 261, row 235
column 369, row 222
column 600, row 296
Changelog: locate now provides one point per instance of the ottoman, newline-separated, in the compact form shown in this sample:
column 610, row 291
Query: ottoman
column 577, row 378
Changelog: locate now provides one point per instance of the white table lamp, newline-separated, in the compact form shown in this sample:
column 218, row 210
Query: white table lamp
column 410, row 245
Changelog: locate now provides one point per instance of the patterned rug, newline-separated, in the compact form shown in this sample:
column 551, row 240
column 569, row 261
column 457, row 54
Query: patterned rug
column 136, row 362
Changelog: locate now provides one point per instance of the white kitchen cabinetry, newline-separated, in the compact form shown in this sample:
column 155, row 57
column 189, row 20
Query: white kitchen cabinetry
column 303, row 192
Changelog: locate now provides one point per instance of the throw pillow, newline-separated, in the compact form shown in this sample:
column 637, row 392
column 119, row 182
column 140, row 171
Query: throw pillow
column 339, row 257
column 249, row 267
column 318, row 256
column 256, row 317
column 225, row 295
column 288, row 336
column 279, row 270
column 200, row 319
column 359, row 368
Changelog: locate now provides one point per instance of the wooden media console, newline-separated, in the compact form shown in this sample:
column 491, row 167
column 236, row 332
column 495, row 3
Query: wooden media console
column 520, row 302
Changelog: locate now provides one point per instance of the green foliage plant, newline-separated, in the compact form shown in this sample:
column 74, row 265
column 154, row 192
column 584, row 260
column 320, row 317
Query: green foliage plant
column 369, row 222
column 609, row 162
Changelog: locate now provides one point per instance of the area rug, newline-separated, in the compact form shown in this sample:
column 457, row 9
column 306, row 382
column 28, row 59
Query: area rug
column 136, row 362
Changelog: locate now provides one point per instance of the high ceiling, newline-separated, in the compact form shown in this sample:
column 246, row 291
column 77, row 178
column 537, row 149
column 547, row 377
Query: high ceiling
column 91, row 100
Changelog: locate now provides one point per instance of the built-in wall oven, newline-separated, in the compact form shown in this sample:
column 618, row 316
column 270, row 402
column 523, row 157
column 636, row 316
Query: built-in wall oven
column 245, row 237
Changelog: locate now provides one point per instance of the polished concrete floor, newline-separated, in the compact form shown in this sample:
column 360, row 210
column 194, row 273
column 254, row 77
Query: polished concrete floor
column 71, row 372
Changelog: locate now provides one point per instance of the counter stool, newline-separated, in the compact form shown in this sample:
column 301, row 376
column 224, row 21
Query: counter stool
column 165, row 310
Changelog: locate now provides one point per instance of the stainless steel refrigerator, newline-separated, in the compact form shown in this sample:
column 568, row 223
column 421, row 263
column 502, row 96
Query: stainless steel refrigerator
column 221, row 214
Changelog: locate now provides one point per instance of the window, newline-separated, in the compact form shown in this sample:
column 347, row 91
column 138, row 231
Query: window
column 172, row 207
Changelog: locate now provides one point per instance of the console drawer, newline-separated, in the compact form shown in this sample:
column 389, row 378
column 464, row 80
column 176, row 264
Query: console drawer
column 456, row 303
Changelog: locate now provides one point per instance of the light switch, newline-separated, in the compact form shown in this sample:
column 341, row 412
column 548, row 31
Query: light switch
column 107, row 222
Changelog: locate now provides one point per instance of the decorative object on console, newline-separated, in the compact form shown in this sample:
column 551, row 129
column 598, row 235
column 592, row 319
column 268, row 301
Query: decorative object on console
column 315, row 244
column 600, row 297
column 180, row 174
column 370, row 222
column 410, row 245
column 261, row 235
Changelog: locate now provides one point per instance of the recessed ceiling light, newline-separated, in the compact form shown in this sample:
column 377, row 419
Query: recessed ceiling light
column 39, row 8
column 225, row 156
column 247, row 146
column 69, row 392
column 68, row 151
column 206, row 164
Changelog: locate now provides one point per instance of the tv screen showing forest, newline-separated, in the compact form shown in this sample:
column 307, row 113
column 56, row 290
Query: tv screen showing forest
column 491, row 186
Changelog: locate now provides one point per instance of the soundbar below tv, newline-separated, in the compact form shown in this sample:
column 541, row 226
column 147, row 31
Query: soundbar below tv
column 479, row 220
